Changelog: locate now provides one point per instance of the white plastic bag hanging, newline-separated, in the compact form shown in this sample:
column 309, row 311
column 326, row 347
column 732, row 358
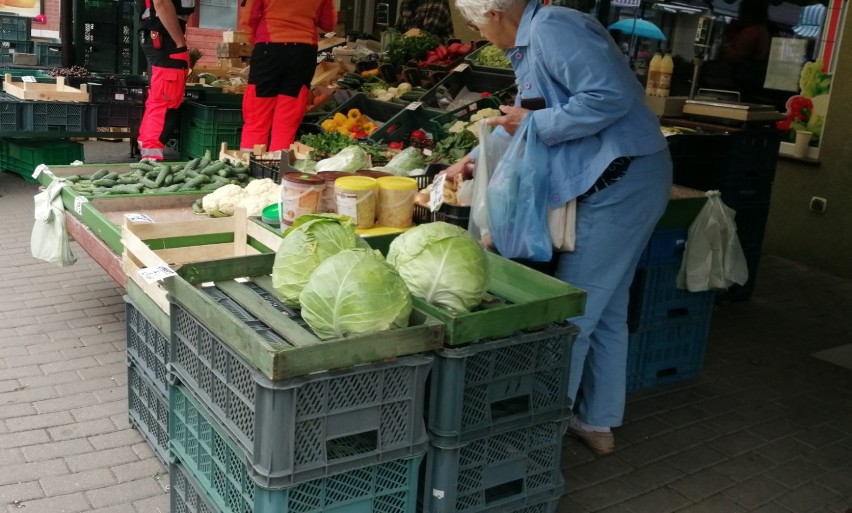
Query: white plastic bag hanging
column 491, row 149
column 49, row 240
column 713, row 257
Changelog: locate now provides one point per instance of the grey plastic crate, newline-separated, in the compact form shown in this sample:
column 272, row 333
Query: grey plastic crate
column 185, row 494
column 148, row 410
column 480, row 388
column 304, row 428
column 15, row 28
column 508, row 471
column 147, row 346
column 54, row 116
column 10, row 113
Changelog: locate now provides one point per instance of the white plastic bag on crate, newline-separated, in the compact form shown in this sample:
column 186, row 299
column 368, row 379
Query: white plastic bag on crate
column 713, row 257
column 49, row 240
column 491, row 148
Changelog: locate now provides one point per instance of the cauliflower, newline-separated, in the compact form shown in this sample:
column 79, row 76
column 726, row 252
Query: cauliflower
column 457, row 127
column 261, row 186
column 254, row 205
column 484, row 113
column 222, row 201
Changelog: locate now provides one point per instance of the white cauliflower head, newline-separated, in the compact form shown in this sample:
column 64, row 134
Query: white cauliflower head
column 261, row 186
column 223, row 200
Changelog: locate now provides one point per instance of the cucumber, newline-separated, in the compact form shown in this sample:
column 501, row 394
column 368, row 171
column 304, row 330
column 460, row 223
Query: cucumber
column 105, row 182
column 192, row 164
column 72, row 178
column 197, row 208
column 126, row 189
column 101, row 173
column 112, row 175
column 171, row 188
column 127, row 179
column 148, row 183
column 142, row 166
column 161, row 175
column 213, row 168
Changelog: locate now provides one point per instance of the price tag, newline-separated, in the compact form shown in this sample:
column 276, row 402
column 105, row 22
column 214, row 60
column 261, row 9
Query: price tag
column 427, row 152
column 79, row 201
column 436, row 197
column 138, row 218
column 414, row 105
column 28, row 78
column 461, row 67
column 155, row 274
column 438, row 494
column 330, row 34
column 119, row 96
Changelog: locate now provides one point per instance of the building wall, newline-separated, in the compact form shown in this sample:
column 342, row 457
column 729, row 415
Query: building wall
column 817, row 240
column 205, row 40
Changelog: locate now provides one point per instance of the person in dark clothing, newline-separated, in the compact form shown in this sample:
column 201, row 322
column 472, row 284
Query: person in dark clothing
column 162, row 35
column 432, row 16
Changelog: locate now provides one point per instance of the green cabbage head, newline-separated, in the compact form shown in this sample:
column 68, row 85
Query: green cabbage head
column 310, row 240
column 355, row 292
column 441, row 264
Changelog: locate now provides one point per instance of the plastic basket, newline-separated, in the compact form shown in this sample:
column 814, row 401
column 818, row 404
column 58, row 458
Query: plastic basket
column 462, row 113
column 186, row 495
column 49, row 54
column 23, row 156
column 7, row 55
column 148, row 410
column 120, row 115
column 506, row 471
column 99, row 56
column 103, row 11
column 519, row 380
column 197, row 137
column 226, row 108
column 148, row 347
column 15, row 28
column 655, row 300
column 217, row 465
column 499, row 85
column 54, row 117
column 454, row 214
column 664, row 248
column 129, row 89
column 667, row 354
column 10, row 113
column 298, row 429
column 399, row 127
column 472, row 57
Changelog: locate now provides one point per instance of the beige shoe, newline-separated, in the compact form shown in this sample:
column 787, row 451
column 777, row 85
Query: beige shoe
column 599, row 443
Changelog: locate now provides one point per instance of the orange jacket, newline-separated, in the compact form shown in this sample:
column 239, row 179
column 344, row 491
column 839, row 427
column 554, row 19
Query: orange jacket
column 289, row 21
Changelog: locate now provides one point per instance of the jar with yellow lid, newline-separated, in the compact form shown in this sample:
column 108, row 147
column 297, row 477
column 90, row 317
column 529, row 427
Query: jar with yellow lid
column 356, row 197
column 396, row 201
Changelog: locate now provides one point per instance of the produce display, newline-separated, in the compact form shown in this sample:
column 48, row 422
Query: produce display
column 348, row 160
column 445, row 55
column 311, row 240
column 411, row 48
column 353, row 124
column 354, row 292
column 257, row 195
column 441, row 264
column 492, row 57
column 149, row 176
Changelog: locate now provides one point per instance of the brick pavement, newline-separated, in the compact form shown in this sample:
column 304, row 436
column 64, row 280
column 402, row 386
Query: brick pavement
column 766, row 428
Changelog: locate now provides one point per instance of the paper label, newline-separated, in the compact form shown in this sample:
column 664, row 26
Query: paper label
column 78, row 204
column 347, row 205
column 413, row 105
column 119, row 96
column 138, row 218
column 461, row 67
column 427, row 152
column 28, row 78
column 155, row 274
column 436, row 197
column 438, row 494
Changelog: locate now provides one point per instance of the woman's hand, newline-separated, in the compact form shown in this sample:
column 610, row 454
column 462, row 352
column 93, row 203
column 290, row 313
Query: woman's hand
column 463, row 167
column 510, row 120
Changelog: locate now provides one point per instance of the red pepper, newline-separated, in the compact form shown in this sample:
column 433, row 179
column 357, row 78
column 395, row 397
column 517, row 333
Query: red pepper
column 484, row 94
column 465, row 49
column 784, row 125
column 455, row 48
column 442, row 52
column 395, row 145
column 418, row 135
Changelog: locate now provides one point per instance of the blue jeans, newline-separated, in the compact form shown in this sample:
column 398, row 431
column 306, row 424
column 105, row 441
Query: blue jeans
column 613, row 227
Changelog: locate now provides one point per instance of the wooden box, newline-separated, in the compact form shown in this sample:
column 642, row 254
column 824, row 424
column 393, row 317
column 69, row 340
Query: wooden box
column 234, row 36
column 327, row 72
column 233, row 50
column 35, row 91
column 233, row 62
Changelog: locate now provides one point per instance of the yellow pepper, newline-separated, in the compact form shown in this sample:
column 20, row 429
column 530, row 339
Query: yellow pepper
column 339, row 118
column 329, row 125
column 369, row 127
column 354, row 114
column 342, row 130
column 349, row 123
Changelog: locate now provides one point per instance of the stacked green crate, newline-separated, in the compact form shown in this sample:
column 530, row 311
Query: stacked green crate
column 22, row 156
column 206, row 124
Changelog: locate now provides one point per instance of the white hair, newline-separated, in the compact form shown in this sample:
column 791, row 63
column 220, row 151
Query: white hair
column 474, row 10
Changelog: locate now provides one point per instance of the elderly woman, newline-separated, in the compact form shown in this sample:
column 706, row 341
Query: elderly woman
column 607, row 151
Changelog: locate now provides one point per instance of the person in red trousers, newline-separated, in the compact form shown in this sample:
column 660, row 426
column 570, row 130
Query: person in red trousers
column 284, row 34
column 162, row 28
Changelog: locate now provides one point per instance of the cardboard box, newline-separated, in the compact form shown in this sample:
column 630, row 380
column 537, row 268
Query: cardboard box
column 327, row 72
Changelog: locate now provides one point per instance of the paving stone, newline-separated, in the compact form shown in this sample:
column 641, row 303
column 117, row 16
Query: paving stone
column 158, row 504
column 100, row 410
column 70, row 503
column 66, row 403
column 121, row 438
column 737, row 443
column 819, row 436
column 830, row 456
column 647, row 451
column 137, row 470
column 116, row 393
column 694, row 459
column 103, row 370
column 79, row 363
column 105, row 458
column 795, row 472
column 53, row 379
column 45, row 420
column 10, row 494
column 661, row 500
column 53, row 450
column 652, row 476
column 143, row 450
column 744, row 466
column 603, row 495
column 23, row 438
column 643, row 429
column 15, row 411
column 78, row 482
column 24, row 472
column 82, row 429
column 640, row 409
column 754, row 492
column 124, row 492
column 714, row 504
column 685, row 416
column 782, row 450
column 12, row 456
column 124, row 508
column 771, row 507
column 702, row 484
column 775, row 429
column 839, row 480
column 26, row 394
column 9, row 385
column 808, row 497
column 19, row 372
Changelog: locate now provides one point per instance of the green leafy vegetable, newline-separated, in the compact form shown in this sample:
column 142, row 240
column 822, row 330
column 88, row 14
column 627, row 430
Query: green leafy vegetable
column 442, row 264
column 410, row 48
column 312, row 239
column 813, row 82
column 405, row 161
column 354, row 292
column 492, row 57
column 454, row 146
column 349, row 159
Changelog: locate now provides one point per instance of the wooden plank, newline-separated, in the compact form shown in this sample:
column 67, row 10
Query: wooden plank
column 154, row 291
column 96, row 248
column 39, row 91
column 264, row 234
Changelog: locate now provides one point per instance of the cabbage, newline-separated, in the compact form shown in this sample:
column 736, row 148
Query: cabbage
column 442, row 264
column 405, row 161
column 354, row 292
column 312, row 239
column 348, row 160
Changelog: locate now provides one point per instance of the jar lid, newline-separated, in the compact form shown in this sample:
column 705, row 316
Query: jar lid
column 372, row 173
column 303, row 178
column 397, row 183
column 356, row 183
column 331, row 176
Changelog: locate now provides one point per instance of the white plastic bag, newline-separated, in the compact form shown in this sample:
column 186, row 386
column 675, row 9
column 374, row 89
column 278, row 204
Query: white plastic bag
column 713, row 258
column 49, row 240
column 491, row 150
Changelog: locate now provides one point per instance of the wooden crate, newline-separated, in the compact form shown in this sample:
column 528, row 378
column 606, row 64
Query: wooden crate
column 234, row 36
column 233, row 50
column 327, row 72
column 36, row 91
column 174, row 244
column 242, row 157
column 233, row 62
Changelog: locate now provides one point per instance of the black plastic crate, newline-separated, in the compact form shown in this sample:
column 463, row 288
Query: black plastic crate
column 49, row 54
column 15, row 28
column 10, row 113
column 378, row 111
column 117, row 115
column 8, row 49
column 54, row 116
column 129, row 89
column 398, row 128
column 499, row 85
column 453, row 214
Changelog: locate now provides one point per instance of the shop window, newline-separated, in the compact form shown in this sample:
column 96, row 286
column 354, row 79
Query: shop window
column 217, row 14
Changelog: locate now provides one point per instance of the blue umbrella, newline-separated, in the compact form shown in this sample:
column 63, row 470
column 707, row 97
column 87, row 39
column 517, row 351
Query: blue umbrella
column 638, row 28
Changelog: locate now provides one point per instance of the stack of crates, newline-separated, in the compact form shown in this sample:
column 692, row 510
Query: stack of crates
column 120, row 101
column 243, row 441
column 14, row 37
column 49, row 54
column 104, row 36
column 497, row 414
column 741, row 165
column 207, row 123
column 668, row 326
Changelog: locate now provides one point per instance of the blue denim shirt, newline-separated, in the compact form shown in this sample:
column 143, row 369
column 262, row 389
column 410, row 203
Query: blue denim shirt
column 595, row 106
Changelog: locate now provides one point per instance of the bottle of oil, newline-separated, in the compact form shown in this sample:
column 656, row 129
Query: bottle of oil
column 654, row 70
column 665, row 81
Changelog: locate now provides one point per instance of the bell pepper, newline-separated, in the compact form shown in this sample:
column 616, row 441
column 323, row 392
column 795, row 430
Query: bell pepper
column 353, row 114
column 395, row 145
column 418, row 135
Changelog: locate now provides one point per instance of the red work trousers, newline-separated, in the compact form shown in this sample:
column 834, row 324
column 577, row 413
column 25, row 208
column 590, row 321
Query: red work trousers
column 167, row 87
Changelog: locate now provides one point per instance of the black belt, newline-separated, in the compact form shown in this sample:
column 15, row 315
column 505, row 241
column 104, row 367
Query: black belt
column 614, row 172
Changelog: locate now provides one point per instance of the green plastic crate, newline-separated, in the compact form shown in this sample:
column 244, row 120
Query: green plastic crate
column 148, row 347
column 212, row 459
column 462, row 113
column 49, row 55
column 216, row 109
column 185, row 494
column 471, row 59
column 197, row 137
column 23, row 156
column 15, row 28
column 148, row 411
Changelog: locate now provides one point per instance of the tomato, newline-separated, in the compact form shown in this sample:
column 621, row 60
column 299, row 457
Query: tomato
column 395, row 145
column 484, row 94
column 783, row 125
column 418, row 135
